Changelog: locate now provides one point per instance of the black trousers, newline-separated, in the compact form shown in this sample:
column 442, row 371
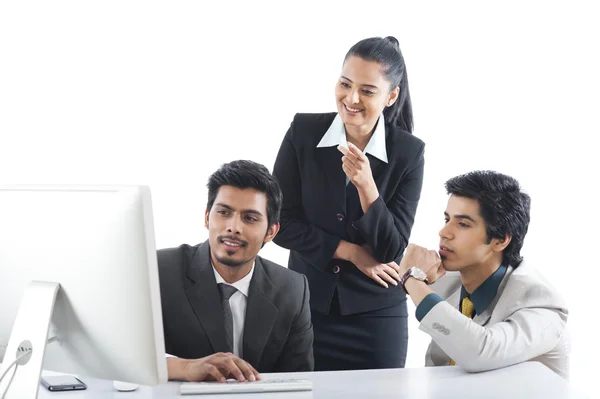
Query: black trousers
column 371, row 340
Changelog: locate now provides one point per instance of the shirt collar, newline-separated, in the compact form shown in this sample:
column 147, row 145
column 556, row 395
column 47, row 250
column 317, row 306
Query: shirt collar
column 336, row 135
column 483, row 295
column 242, row 285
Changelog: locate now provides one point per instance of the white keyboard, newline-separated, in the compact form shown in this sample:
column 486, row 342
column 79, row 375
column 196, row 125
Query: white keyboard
column 232, row 386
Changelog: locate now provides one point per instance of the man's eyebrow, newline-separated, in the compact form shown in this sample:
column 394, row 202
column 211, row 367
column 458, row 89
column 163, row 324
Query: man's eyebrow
column 459, row 216
column 253, row 211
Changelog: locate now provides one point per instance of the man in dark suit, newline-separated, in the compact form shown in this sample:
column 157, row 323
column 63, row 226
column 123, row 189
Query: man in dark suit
column 228, row 313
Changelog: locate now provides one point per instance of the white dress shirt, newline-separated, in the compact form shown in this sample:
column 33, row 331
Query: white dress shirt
column 237, row 302
column 336, row 135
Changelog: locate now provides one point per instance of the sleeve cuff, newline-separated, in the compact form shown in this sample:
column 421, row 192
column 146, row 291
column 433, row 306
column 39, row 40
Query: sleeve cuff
column 362, row 224
column 427, row 304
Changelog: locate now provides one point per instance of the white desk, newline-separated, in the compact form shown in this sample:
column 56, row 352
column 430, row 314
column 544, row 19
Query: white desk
column 527, row 380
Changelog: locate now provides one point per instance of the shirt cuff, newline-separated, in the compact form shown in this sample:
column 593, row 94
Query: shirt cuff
column 427, row 304
column 167, row 355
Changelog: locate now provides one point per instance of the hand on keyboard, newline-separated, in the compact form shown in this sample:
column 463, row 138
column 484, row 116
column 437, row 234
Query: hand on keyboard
column 220, row 367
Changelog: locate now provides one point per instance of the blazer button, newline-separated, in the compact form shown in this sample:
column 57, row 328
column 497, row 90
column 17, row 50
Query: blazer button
column 340, row 217
column 336, row 269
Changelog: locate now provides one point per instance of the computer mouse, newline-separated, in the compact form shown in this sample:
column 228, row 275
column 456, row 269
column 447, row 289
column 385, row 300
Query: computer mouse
column 125, row 386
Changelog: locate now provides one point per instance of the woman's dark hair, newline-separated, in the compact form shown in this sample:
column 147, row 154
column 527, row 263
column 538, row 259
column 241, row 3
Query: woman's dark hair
column 386, row 52
column 247, row 174
column 503, row 207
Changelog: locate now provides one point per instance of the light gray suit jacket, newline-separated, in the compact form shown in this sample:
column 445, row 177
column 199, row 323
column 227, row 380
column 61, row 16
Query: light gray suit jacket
column 525, row 321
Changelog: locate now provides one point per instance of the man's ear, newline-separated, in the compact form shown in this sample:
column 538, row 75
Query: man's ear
column 206, row 213
column 499, row 244
column 271, row 233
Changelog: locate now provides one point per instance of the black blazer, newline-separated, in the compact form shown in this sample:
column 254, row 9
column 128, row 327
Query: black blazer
column 278, row 334
column 319, row 210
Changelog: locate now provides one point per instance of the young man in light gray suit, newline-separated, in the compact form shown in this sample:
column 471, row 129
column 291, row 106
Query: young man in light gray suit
column 498, row 310
column 228, row 313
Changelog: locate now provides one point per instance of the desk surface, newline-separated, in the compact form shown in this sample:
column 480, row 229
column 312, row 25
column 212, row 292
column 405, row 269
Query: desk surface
column 527, row 380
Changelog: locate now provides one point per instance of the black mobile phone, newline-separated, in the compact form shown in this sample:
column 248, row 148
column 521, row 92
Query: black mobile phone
column 62, row 383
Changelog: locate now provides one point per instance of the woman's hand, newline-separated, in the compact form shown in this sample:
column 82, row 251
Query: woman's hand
column 357, row 167
column 382, row 273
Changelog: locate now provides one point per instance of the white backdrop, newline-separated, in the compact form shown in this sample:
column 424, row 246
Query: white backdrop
column 162, row 93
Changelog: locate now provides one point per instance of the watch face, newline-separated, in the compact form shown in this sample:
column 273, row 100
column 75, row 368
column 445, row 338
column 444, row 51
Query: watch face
column 418, row 273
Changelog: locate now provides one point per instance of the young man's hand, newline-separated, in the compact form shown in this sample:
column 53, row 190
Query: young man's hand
column 425, row 259
column 216, row 367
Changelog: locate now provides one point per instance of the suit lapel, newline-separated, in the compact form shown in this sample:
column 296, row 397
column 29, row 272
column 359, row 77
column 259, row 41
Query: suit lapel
column 377, row 166
column 454, row 299
column 484, row 318
column 205, row 298
column 260, row 315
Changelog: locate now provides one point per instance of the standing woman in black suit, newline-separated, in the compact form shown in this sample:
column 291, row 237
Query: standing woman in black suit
column 351, row 183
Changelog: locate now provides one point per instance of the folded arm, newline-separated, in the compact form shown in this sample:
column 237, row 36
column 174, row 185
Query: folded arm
column 386, row 226
column 528, row 332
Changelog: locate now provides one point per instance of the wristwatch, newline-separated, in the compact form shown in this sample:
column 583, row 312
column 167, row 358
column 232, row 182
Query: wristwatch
column 414, row 272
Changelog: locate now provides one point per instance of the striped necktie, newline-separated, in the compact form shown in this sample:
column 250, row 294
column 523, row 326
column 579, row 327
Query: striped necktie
column 226, row 292
column 468, row 310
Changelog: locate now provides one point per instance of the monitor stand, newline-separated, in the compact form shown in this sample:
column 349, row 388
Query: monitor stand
column 30, row 329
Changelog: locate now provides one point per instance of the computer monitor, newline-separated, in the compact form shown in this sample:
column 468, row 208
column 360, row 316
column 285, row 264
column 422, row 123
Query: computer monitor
column 78, row 267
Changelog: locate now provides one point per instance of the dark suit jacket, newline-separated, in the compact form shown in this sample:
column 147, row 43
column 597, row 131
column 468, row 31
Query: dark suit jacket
column 278, row 334
column 319, row 210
